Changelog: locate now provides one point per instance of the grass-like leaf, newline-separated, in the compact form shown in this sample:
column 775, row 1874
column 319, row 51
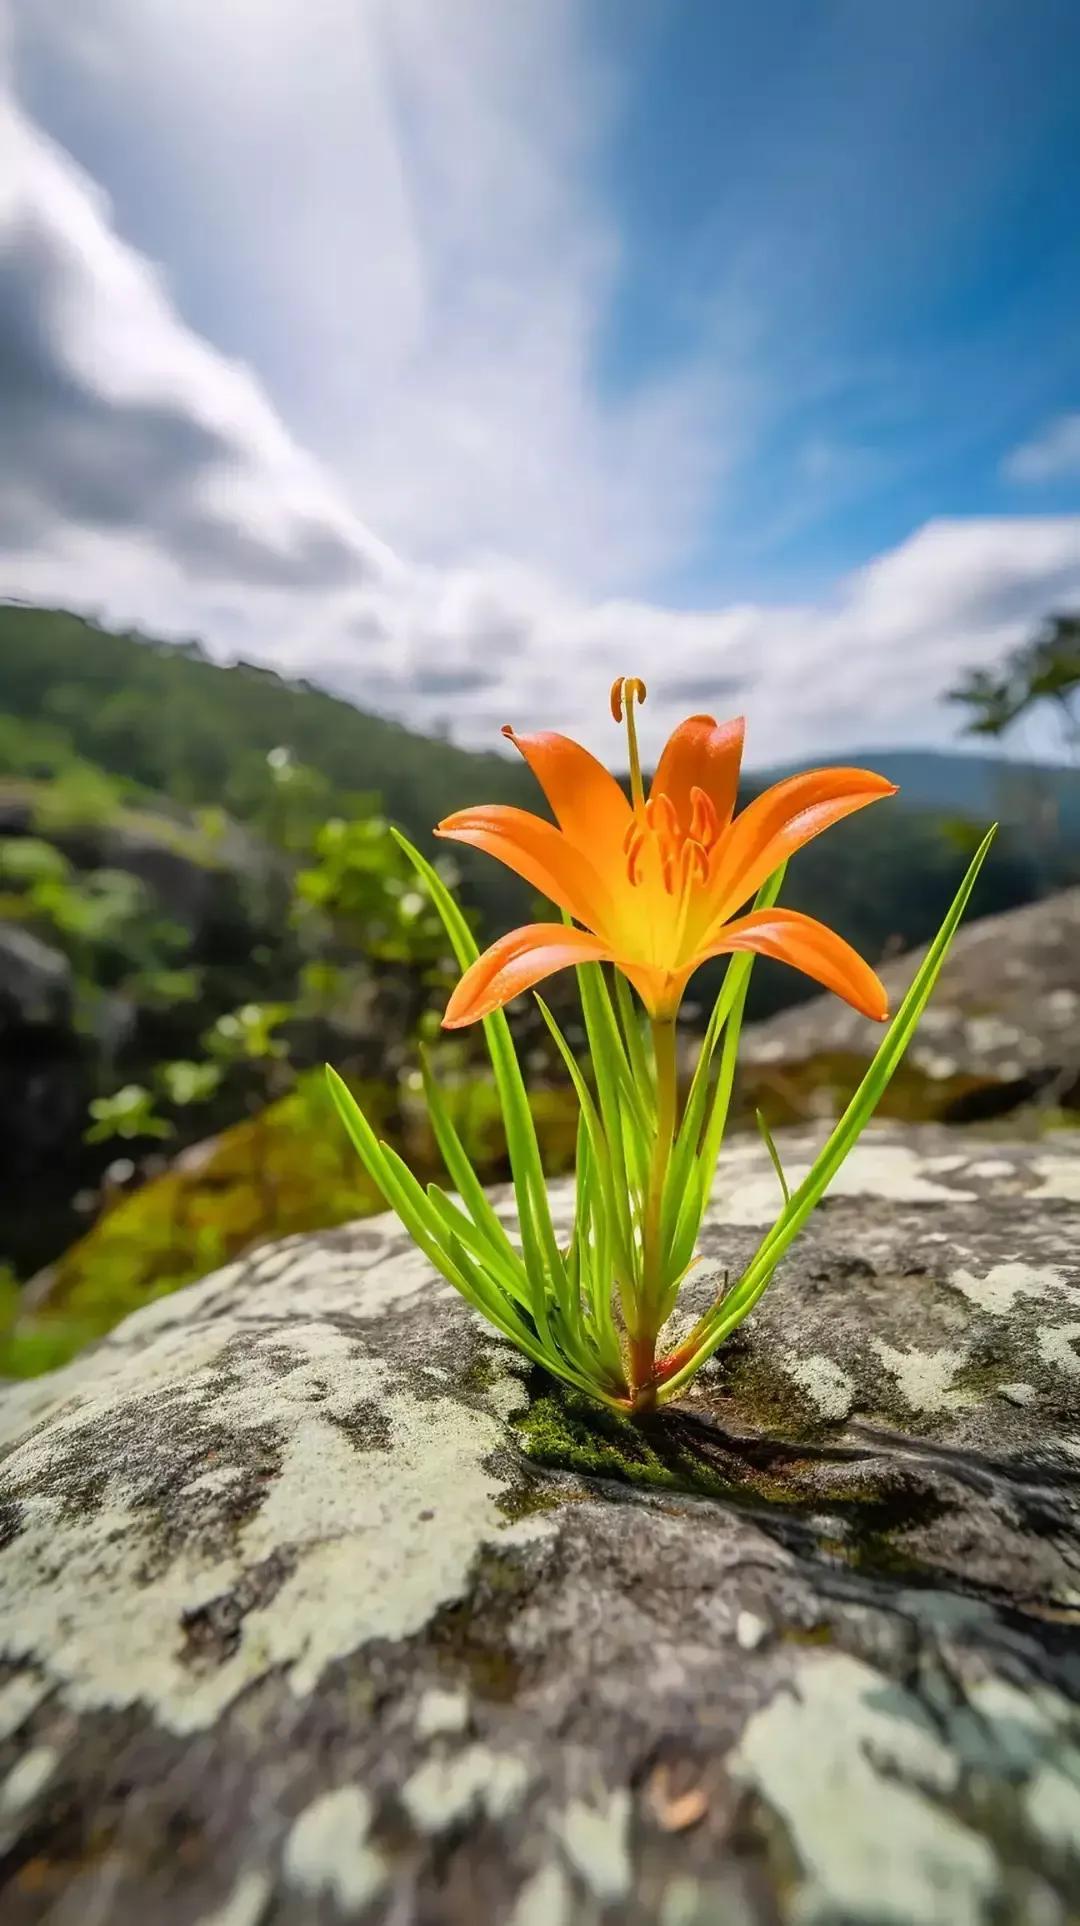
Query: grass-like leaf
column 767, row 1139
column 641, row 1191
column 725, row 1316
column 538, row 1236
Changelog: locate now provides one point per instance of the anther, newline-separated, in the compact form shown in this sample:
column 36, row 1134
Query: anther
column 633, row 856
column 628, row 689
column 704, row 821
column 694, row 857
column 625, row 691
column 664, row 819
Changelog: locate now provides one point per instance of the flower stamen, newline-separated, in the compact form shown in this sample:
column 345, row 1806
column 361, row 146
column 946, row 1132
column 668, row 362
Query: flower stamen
column 695, row 857
column 625, row 691
column 635, row 847
column 664, row 820
column 704, row 821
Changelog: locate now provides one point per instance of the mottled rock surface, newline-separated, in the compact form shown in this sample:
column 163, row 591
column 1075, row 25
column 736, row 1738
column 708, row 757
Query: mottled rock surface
column 1002, row 1030
column 316, row 1604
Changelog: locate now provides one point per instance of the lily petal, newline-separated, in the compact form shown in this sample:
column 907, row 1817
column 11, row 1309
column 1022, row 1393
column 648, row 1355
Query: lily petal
column 585, row 798
column 811, row 947
column 537, row 851
column 515, row 963
column 781, row 820
column 702, row 754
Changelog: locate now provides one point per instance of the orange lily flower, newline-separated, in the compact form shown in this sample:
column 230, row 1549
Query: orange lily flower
column 653, row 885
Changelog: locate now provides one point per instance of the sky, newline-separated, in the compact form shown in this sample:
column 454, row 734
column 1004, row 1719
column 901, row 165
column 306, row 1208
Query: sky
column 460, row 356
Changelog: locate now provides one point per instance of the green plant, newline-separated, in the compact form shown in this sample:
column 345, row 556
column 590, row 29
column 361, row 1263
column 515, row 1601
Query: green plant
column 357, row 878
column 127, row 1113
column 1044, row 670
column 592, row 1310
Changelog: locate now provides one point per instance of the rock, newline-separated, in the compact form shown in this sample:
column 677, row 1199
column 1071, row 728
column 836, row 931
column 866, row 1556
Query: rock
column 317, row 1604
column 1003, row 1028
column 35, row 982
column 196, row 880
column 45, row 1085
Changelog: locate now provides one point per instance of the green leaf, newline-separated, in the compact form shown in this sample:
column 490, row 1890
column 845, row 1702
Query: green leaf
column 722, row 1320
column 630, row 1020
column 767, row 1139
column 613, row 1212
column 534, row 1213
column 727, row 1008
column 607, row 1047
column 377, row 1161
column 506, row 1278
column 548, row 1356
column 608, row 1068
column 461, row 1173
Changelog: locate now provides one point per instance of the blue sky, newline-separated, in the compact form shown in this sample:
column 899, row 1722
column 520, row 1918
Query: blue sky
column 463, row 355
column 890, row 197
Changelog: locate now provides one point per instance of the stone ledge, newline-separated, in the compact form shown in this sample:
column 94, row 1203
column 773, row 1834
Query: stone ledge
column 317, row 1604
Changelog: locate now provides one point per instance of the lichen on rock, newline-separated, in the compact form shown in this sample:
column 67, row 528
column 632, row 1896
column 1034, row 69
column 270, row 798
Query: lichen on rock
column 316, row 1604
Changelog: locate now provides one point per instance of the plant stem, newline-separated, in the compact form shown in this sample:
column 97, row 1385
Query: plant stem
column 643, row 1340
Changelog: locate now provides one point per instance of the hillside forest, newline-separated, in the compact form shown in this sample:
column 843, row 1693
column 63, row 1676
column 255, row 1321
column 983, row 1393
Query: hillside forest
column 201, row 901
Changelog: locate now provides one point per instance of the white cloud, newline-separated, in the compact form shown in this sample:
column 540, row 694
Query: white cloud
column 384, row 205
column 117, row 417
column 154, row 477
column 1051, row 455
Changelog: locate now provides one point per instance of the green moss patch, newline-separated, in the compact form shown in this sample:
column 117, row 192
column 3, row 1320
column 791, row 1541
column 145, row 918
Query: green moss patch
column 800, row 1489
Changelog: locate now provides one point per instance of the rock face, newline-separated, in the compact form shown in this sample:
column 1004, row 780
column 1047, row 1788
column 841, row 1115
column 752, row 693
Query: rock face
column 1002, row 1030
column 316, row 1604
column 45, row 1086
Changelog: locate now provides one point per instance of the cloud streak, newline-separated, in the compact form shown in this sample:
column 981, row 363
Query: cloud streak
column 156, row 478
column 1051, row 455
column 390, row 218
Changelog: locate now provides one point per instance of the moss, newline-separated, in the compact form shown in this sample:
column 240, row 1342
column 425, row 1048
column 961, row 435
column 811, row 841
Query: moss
column 877, row 1529
column 287, row 1170
column 528, row 1500
column 367, row 1427
column 816, row 1635
column 875, row 1552
column 468, row 1639
column 566, row 1431
column 746, row 1386
column 999, row 1357
column 800, row 1089
column 479, row 1374
column 822, row 1506
column 983, row 1377
column 290, row 1169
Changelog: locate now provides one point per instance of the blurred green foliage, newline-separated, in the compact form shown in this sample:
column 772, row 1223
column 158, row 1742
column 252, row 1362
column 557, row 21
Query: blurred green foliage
column 209, row 850
column 128, row 1113
column 104, row 920
column 288, row 1169
column 284, row 758
column 1041, row 674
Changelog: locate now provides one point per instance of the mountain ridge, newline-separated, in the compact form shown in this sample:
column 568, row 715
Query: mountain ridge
column 109, row 690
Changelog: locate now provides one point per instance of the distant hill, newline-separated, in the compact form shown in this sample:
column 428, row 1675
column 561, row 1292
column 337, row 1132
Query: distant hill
column 165, row 718
column 980, row 787
column 168, row 718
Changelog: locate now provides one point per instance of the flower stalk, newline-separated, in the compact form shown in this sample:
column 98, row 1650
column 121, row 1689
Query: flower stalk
column 643, row 1340
column 651, row 885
